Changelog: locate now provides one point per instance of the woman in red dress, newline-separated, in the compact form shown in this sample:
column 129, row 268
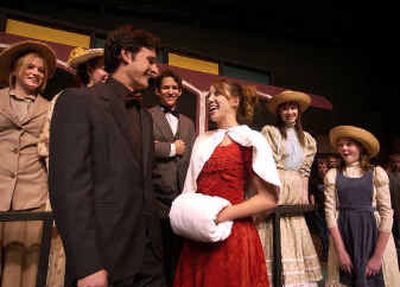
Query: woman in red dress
column 225, row 162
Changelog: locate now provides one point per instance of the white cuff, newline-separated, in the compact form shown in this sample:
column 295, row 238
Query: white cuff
column 172, row 152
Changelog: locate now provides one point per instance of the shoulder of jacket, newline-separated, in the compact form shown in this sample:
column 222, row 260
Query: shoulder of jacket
column 186, row 118
column 153, row 109
column 74, row 96
column 43, row 99
column 75, row 91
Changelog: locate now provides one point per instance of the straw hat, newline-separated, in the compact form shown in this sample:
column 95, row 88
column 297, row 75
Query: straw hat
column 10, row 54
column 302, row 99
column 80, row 55
column 364, row 137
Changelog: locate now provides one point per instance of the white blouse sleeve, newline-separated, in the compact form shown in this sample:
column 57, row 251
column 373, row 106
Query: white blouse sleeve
column 310, row 149
column 330, row 198
column 383, row 203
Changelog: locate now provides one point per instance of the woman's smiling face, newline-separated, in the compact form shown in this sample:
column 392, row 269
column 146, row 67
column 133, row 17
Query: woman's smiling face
column 221, row 105
column 289, row 112
column 30, row 73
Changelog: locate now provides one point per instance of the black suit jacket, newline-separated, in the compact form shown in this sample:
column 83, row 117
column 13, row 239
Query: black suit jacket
column 101, row 196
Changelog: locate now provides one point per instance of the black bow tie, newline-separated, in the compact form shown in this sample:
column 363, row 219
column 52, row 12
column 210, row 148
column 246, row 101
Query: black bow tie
column 166, row 109
column 132, row 100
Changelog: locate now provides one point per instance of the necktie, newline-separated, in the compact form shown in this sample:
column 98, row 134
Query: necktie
column 174, row 112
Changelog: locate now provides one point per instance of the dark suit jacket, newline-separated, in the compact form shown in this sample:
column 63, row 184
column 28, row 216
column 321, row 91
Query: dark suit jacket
column 101, row 196
column 170, row 172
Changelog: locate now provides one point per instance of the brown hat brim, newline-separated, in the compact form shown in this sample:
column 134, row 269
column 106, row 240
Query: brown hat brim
column 364, row 137
column 16, row 50
column 286, row 96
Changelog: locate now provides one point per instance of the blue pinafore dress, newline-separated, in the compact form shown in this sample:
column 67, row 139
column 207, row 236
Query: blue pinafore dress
column 358, row 227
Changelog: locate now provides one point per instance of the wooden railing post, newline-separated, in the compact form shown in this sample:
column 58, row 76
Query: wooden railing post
column 47, row 219
column 277, row 266
column 279, row 212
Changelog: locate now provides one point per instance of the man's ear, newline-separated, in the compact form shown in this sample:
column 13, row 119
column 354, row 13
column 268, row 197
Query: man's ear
column 89, row 70
column 180, row 92
column 126, row 56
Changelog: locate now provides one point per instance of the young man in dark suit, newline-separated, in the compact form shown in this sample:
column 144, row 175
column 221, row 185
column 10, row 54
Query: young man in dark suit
column 173, row 138
column 101, row 153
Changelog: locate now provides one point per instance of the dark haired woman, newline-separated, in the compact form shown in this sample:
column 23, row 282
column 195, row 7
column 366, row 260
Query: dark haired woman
column 294, row 150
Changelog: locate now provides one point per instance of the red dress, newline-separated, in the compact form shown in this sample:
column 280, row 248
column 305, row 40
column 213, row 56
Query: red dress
column 239, row 260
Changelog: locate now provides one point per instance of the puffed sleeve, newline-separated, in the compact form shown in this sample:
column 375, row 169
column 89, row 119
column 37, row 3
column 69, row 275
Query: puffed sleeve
column 272, row 135
column 330, row 198
column 310, row 149
column 383, row 203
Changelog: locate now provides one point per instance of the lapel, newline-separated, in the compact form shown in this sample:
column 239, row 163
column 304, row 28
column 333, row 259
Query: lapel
column 180, row 130
column 39, row 107
column 5, row 108
column 147, row 137
column 162, row 124
column 116, row 108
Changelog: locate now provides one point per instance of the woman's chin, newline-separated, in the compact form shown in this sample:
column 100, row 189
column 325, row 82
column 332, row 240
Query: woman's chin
column 213, row 118
column 31, row 88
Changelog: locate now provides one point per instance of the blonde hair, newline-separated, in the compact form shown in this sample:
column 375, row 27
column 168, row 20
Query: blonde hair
column 21, row 62
column 247, row 97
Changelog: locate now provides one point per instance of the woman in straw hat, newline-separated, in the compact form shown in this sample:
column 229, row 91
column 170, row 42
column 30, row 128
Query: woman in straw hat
column 89, row 67
column 25, row 68
column 88, row 64
column 294, row 150
column 359, row 214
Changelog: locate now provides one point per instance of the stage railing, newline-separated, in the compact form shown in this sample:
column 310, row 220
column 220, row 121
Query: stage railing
column 47, row 219
column 278, row 213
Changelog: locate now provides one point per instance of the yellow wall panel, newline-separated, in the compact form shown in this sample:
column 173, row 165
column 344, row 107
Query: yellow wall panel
column 193, row 64
column 46, row 34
